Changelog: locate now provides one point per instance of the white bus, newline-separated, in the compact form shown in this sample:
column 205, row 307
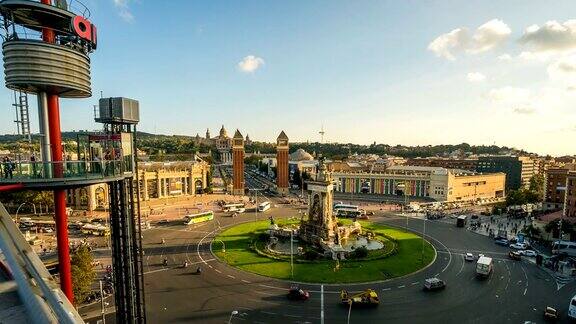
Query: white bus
column 264, row 206
column 96, row 230
column 344, row 206
column 198, row 218
column 564, row 247
column 349, row 213
column 234, row 208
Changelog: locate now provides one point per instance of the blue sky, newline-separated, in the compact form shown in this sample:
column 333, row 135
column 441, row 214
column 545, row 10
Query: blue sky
column 366, row 70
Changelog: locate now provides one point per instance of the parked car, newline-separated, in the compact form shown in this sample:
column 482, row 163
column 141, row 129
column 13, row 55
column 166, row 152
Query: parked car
column 434, row 284
column 469, row 257
column 550, row 314
column 528, row 253
column 502, row 242
column 519, row 246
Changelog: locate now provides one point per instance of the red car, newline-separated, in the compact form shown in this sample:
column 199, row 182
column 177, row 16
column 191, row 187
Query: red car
column 295, row 293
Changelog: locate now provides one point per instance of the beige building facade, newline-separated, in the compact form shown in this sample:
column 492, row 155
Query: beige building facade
column 156, row 180
column 432, row 183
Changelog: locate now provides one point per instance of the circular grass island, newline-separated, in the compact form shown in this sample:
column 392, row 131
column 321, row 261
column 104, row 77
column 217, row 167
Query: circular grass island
column 243, row 246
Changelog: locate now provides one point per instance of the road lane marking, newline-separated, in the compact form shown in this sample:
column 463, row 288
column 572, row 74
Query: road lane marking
column 414, row 283
column 321, row 304
column 289, row 315
column 217, row 270
column 245, row 281
column 525, row 290
column 267, row 312
column 401, row 286
column 230, row 276
column 386, row 289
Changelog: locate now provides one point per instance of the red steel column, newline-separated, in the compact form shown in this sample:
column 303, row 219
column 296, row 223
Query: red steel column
column 61, row 218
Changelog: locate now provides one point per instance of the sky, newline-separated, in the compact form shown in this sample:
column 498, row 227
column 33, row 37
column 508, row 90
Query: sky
column 394, row 72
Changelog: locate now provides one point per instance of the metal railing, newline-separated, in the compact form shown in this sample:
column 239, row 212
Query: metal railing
column 49, row 171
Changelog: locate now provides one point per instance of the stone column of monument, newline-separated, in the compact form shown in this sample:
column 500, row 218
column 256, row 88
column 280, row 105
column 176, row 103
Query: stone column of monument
column 238, row 164
column 282, row 164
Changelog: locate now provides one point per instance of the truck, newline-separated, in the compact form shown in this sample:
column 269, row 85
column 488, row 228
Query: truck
column 368, row 297
column 484, row 267
column 461, row 221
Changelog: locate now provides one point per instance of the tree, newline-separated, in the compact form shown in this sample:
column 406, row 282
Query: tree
column 537, row 187
column 296, row 178
column 82, row 273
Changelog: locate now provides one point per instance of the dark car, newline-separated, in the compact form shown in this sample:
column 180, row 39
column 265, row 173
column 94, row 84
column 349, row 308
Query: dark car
column 502, row 242
column 296, row 293
column 514, row 255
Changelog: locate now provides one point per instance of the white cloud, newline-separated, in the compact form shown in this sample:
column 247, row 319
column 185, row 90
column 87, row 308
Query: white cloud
column 485, row 38
column 524, row 110
column 564, row 69
column 509, row 95
column 489, row 35
column 504, row 57
column 250, row 64
column 475, row 77
column 444, row 44
column 551, row 37
column 123, row 10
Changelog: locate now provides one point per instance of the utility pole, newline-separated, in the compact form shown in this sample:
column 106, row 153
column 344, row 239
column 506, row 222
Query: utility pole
column 103, row 309
column 292, row 253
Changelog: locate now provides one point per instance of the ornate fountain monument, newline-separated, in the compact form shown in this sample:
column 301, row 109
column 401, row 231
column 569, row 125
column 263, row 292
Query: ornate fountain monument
column 321, row 227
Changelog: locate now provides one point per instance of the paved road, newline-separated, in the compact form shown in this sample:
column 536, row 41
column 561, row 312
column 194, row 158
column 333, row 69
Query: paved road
column 516, row 292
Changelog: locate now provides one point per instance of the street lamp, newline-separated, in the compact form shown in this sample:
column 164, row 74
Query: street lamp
column 234, row 312
column 223, row 245
column 349, row 311
column 18, row 209
column 423, row 234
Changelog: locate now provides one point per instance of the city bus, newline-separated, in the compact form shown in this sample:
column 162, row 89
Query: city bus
column 344, row 206
column 198, row 218
column 234, row 208
column 348, row 213
column 96, row 230
column 564, row 247
column 264, row 206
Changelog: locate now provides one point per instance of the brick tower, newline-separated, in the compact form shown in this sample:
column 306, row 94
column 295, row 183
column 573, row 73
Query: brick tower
column 238, row 164
column 282, row 164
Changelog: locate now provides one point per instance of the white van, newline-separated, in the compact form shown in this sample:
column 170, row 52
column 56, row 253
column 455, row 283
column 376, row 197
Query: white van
column 572, row 308
column 484, row 267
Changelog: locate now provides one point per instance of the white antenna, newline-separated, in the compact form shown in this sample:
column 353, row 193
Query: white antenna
column 322, row 132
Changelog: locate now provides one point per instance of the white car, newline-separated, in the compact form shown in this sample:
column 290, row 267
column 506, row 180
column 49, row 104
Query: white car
column 528, row 253
column 519, row 246
column 469, row 257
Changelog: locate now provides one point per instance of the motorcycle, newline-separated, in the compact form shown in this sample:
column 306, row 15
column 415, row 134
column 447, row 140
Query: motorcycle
column 185, row 265
column 165, row 262
column 198, row 270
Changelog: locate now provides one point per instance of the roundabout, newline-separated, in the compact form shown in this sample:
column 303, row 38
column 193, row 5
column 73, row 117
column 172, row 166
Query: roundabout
column 517, row 291
column 245, row 247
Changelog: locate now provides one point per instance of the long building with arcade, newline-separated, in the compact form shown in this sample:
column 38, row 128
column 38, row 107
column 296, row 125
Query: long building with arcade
column 427, row 183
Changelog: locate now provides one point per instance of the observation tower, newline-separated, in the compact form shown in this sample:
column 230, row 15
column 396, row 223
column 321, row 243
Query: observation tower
column 46, row 53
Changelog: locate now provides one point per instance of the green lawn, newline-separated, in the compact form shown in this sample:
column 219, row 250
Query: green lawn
column 407, row 260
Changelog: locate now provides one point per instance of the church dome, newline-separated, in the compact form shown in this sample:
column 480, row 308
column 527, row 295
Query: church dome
column 223, row 132
column 301, row 155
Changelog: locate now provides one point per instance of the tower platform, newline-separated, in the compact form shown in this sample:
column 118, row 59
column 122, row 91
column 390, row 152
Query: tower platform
column 62, row 175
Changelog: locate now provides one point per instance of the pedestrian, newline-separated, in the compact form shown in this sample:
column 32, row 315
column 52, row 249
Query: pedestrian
column 33, row 163
column 11, row 166
column 5, row 166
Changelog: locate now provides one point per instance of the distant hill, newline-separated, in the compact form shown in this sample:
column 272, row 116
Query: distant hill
column 184, row 144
